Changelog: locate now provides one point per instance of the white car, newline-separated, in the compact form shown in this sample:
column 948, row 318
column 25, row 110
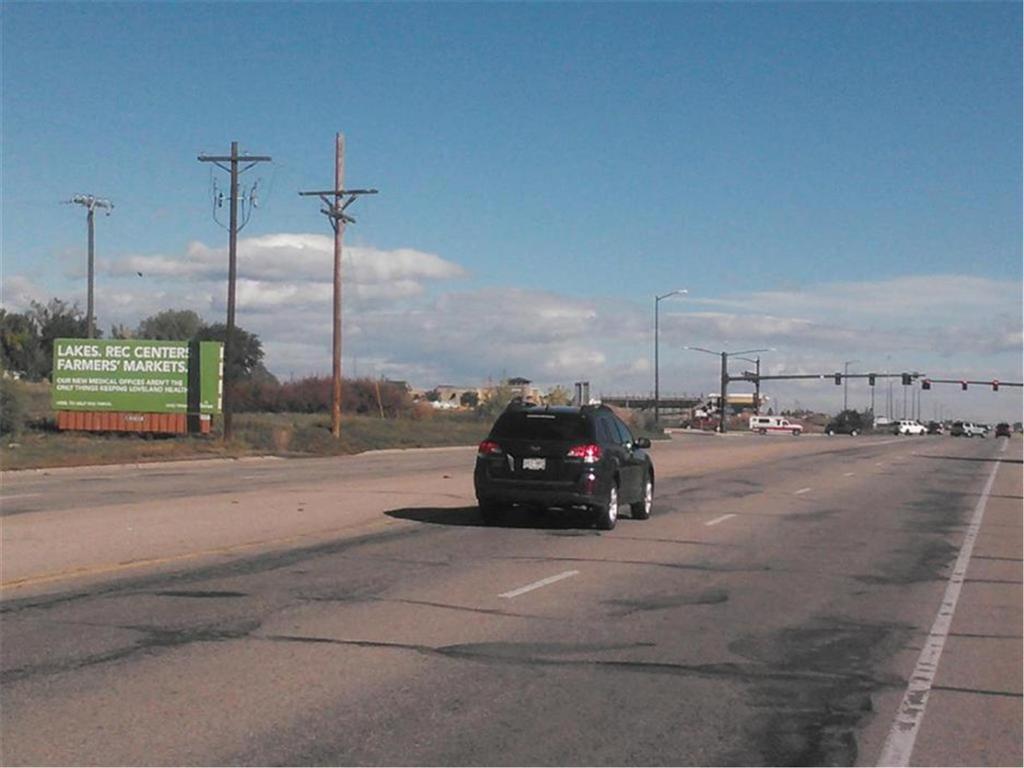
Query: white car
column 909, row 427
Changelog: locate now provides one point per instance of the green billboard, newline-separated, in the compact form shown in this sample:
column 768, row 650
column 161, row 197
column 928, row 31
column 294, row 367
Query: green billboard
column 137, row 376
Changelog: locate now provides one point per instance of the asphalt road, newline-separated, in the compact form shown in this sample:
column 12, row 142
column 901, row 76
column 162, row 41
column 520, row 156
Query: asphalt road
column 355, row 611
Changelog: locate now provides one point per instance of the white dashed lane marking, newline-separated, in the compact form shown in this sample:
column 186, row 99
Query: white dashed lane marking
column 538, row 584
column 802, row 490
column 848, row 474
column 718, row 520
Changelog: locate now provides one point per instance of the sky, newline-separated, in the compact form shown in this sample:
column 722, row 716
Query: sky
column 828, row 181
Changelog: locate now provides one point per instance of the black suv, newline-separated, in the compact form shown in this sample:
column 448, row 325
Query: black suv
column 846, row 423
column 563, row 457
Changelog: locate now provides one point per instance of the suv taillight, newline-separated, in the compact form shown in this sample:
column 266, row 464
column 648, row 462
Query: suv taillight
column 488, row 448
column 590, row 454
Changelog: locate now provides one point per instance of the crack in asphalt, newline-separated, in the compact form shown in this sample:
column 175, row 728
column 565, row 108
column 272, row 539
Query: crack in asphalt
column 519, row 654
column 652, row 563
column 153, row 639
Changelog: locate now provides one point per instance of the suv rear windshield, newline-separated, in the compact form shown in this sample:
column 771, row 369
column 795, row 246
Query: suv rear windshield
column 541, row 426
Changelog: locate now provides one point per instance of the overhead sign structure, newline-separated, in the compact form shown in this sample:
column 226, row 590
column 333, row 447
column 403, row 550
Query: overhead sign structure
column 178, row 377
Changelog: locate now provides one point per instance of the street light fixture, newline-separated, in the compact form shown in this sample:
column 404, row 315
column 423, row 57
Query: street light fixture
column 657, row 398
column 725, row 376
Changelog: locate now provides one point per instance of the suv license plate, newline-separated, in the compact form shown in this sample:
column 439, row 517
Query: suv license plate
column 534, row 464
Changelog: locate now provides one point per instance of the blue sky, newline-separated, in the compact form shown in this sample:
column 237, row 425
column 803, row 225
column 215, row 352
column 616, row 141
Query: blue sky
column 545, row 169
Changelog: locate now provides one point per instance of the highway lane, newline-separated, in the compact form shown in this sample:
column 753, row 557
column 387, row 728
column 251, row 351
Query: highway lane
column 769, row 613
column 102, row 521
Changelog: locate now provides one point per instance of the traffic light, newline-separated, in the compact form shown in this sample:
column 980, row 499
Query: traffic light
column 839, row 379
column 963, row 385
column 926, row 384
column 995, row 385
column 871, row 379
column 906, row 379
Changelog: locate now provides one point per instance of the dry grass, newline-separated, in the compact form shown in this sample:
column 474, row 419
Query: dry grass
column 280, row 434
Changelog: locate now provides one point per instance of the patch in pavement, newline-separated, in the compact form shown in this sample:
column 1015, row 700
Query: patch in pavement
column 713, row 596
column 729, row 488
column 813, row 515
column 811, row 720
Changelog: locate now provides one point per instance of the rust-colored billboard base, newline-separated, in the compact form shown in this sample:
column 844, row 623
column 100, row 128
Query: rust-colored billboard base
column 121, row 421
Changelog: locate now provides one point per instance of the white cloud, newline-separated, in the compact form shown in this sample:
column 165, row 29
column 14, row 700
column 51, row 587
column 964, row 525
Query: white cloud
column 403, row 319
column 291, row 258
column 18, row 293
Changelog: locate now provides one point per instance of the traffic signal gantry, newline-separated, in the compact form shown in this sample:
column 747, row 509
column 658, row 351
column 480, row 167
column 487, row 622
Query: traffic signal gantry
column 906, row 379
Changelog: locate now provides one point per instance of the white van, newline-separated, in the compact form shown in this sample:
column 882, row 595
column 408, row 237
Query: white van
column 766, row 425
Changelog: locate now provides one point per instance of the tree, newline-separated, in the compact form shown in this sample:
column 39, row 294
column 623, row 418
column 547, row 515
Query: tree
column 558, row 395
column 246, row 351
column 495, row 402
column 120, row 331
column 56, row 320
column 171, row 325
column 20, row 348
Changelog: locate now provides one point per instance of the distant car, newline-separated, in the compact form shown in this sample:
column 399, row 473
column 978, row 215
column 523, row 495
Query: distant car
column 846, row 423
column 768, row 425
column 966, row 429
column 563, row 457
column 909, row 427
column 1003, row 429
column 935, row 428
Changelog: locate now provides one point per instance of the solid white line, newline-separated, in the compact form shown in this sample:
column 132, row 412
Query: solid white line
column 900, row 743
column 538, row 584
column 19, row 496
column 718, row 520
column 802, row 490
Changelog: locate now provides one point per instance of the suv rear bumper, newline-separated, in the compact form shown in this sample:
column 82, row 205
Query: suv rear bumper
column 589, row 491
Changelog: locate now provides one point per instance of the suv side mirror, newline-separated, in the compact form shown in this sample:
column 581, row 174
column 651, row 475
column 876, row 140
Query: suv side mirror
column 642, row 442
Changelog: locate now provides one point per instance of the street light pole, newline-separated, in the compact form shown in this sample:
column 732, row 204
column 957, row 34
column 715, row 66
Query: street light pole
column 657, row 394
column 846, row 370
column 726, row 378
column 757, row 381
column 91, row 203
column 722, row 402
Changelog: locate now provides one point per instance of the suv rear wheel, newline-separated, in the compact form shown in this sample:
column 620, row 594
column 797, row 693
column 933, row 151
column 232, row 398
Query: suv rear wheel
column 608, row 513
column 642, row 509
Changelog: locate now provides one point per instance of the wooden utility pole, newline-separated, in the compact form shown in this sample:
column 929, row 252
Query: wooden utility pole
column 232, row 168
column 339, row 233
column 336, row 201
